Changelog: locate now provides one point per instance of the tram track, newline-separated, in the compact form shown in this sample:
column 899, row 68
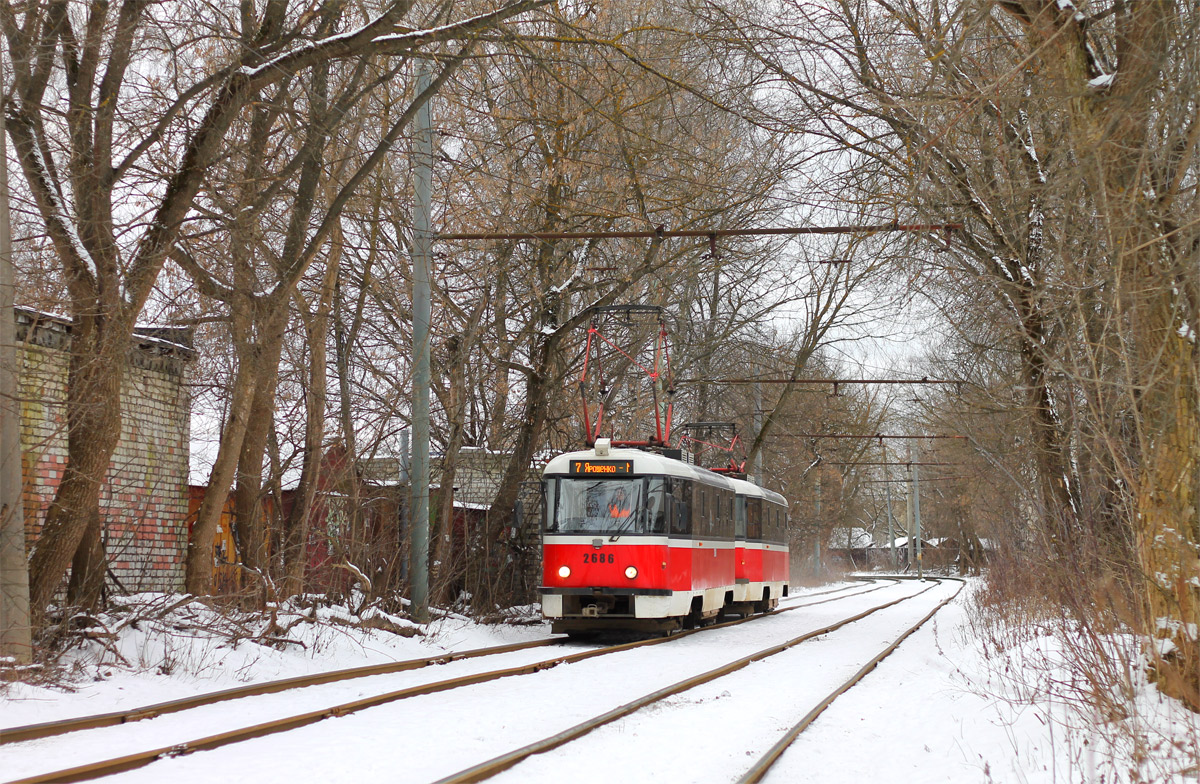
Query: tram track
column 764, row 764
column 492, row 767
column 145, row 757
column 49, row 729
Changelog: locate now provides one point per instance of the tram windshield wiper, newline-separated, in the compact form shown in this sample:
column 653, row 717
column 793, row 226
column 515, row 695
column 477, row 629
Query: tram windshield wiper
column 623, row 528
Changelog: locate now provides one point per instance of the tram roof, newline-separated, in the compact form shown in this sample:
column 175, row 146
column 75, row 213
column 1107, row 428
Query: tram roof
column 653, row 463
column 643, row 463
column 742, row 487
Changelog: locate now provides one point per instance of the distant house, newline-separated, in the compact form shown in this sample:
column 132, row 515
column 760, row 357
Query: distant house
column 144, row 498
column 477, row 476
column 371, row 540
column 851, row 547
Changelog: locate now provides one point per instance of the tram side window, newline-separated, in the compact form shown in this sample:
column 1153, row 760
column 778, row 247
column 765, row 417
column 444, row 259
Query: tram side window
column 709, row 510
column 703, row 528
column 775, row 532
column 726, row 529
column 656, row 506
column 681, row 503
column 754, row 528
column 739, row 517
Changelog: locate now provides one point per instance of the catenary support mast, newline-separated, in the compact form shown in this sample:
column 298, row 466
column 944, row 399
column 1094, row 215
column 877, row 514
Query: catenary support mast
column 14, row 571
column 422, row 306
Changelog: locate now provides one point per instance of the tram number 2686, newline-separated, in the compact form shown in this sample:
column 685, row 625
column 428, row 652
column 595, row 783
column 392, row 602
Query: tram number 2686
column 598, row 558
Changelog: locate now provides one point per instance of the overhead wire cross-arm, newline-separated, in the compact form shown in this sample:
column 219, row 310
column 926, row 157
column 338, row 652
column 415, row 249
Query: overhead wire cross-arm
column 711, row 234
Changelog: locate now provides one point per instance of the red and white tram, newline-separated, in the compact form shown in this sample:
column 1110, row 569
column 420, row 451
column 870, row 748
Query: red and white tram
column 635, row 541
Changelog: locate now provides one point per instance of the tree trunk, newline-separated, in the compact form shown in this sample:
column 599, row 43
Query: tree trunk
column 517, row 471
column 295, row 550
column 200, row 543
column 248, row 512
column 447, row 567
column 89, row 566
column 1167, row 502
column 97, row 366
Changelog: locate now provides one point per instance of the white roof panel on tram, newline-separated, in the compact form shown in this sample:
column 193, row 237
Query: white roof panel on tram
column 742, row 487
column 652, row 463
column 643, row 463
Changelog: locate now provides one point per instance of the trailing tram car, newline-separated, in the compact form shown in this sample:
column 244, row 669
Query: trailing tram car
column 639, row 542
column 763, row 563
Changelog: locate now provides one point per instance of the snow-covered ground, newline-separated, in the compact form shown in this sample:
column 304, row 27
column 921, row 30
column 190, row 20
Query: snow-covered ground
column 936, row 710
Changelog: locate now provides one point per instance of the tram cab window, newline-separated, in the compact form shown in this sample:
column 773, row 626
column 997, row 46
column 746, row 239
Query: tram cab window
column 656, row 505
column 739, row 517
column 596, row 506
column 550, row 498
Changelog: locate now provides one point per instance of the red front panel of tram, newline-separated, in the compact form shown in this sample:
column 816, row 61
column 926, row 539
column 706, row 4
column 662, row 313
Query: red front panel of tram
column 658, row 566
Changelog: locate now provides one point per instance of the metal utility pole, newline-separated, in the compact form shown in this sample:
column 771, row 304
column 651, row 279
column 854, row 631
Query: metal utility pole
column 15, row 640
column 422, row 240
column 916, row 496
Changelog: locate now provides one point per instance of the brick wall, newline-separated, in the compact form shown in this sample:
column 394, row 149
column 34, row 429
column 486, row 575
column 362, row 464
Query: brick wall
column 144, row 500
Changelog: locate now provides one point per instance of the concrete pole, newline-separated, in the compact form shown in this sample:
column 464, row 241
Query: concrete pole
column 817, row 540
column 422, row 305
column 916, row 496
column 752, row 469
column 15, row 639
column 406, row 502
column 891, row 528
column 908, row 511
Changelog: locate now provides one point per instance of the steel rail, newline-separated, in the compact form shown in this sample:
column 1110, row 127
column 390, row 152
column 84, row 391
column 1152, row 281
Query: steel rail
column 764, row 764
column 142, row 758
column 492, row 767
column 790, row 599
column 63, row 726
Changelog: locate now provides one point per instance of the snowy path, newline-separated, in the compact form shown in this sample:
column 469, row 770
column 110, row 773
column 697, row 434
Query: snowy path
column 425, row 738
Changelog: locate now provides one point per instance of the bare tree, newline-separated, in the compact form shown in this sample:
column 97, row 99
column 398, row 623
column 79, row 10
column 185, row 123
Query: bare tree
column 131, row 106
column 1061, row 136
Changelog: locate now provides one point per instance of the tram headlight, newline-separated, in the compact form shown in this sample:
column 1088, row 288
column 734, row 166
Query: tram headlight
column 564, row 572
column 631, row 572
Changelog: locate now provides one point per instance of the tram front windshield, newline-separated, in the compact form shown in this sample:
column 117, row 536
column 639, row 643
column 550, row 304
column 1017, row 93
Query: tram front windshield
column 599, row 506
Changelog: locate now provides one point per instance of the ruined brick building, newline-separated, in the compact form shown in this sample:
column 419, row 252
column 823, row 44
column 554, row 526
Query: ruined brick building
column 144, row 500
